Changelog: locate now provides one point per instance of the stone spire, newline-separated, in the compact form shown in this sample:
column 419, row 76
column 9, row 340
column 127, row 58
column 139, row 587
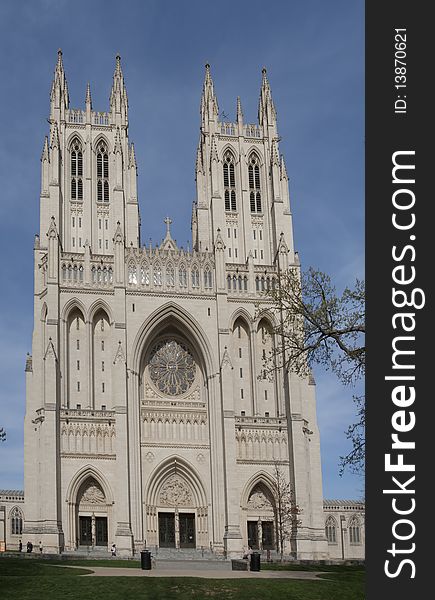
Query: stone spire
column 239, row 112
column 118, row 94
column 45, row 152
column 266, row 107
column 88, row 100
column 132, row 162
column 59, row 97
column 209, row 103
column 283, row 170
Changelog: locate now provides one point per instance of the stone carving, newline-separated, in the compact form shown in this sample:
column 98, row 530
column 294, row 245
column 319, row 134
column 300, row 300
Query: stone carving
column 172, row 368
column 200, row 458
column 93, row 494
column 175, row 492
column 258, row 500
column 149, row 456
column 119, row 356
column 226, row 360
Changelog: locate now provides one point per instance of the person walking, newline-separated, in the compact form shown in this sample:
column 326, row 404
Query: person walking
column 40, row 547
column 113, row 549
column 20, row 546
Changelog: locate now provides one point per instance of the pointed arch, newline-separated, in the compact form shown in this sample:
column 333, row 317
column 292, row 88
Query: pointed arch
column 194, row 274
column 260, row 479
column 73, row 303
column 75, row 137
column 75, row 149
column 175, row 465
column 253, row 151
column 244, row 315
column 182, row 275
column 229, row 148
column 100, row 305
column 172, row 314
column 16, row 518
column 331, row 530
column 354, row 529
column 101, row 138
column 170, row 275
column 229, row 179
column 145, row 273
column 86, row 472
column 132, row 272
column 101, row 149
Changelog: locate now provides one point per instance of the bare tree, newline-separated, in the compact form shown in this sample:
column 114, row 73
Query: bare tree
column 286, row 510
column 2, row 434
column 315, row 325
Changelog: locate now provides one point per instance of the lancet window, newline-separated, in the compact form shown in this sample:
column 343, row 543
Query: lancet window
column 102, row 173
column 331, row 531
column 76, row 171
column 229, row 182
column 254, row 184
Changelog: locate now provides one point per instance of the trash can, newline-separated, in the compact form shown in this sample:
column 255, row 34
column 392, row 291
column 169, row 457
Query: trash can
column 255, row 561
column 145, row 560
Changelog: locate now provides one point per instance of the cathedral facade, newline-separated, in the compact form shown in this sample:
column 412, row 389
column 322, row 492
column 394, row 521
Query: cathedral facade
column 148, row 421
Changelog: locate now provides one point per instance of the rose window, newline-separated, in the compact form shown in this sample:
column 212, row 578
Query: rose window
column 172, row 368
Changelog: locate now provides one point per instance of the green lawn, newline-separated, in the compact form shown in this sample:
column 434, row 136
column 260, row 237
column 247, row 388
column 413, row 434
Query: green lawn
column 38, row 580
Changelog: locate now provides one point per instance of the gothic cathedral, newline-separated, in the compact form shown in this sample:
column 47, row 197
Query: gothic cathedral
column 147, row 422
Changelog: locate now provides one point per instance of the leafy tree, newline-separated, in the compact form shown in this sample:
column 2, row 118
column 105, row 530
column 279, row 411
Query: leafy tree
column 2, row 434
column 286, row 509
column 316, row 325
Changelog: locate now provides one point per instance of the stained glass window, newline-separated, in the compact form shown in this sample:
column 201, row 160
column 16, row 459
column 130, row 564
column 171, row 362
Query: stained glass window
column 172, row 368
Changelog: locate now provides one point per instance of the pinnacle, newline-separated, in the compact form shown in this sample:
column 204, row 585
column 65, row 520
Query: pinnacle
column 239, row 110
column 88, row 95
column 118, row 63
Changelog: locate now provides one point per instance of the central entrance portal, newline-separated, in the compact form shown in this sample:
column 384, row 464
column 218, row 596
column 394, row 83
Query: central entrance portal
column 187, row 530
column 166, row 530
column 85, row 531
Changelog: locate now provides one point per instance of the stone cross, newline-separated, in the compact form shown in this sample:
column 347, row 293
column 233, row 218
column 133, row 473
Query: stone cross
column 168, row 222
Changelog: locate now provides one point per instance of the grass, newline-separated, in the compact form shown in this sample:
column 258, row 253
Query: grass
column 40, row 579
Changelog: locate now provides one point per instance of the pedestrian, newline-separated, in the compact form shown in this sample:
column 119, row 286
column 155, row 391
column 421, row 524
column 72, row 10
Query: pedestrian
column 40, row 546
column 113, row 549
column 20, row 546
column 29, row 547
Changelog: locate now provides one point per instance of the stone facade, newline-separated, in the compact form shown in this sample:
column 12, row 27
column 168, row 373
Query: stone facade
column 345, row 529
column 146, row 419
column 11, row 519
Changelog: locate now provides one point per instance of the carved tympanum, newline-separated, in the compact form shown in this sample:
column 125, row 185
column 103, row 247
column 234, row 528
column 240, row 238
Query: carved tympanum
column 175, row 492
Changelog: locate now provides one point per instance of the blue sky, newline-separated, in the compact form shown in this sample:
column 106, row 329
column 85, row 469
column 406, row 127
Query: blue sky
column 314, row 53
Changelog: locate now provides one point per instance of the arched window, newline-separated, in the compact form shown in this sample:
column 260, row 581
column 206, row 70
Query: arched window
column 16, row 521
column 229, row 281
column 132, row 273
column 207, row 278
column 331, row 530
column 157, row 273
column 170, row 276
column 229, row 182
column 102, row 173
column 195, row 277
column 145, row 274
column 354, row 531
column 254, row 184
column 182, row 276
column 76, row 171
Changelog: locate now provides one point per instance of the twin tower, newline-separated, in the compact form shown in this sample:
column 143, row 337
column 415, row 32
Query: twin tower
column 148, row 420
